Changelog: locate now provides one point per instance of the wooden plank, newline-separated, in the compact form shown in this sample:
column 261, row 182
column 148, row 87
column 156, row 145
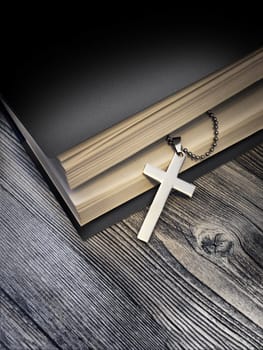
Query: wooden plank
column 18, row 331
column 218, row 235
column 74, row 303
column 115, row 292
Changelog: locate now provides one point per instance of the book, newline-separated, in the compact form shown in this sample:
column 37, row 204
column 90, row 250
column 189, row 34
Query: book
column 94, row 158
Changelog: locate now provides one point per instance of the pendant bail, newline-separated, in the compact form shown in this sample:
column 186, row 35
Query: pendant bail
column 178, row 146
column 175, row 142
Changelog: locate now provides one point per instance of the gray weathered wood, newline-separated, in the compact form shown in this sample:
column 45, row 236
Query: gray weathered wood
column 197, row 285
column 17, row 330
column 218, row 236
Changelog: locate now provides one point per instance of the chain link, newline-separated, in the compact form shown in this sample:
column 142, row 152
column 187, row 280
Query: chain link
column 173, row 140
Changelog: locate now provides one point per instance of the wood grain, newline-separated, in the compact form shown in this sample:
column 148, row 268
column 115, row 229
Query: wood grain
column 197, row 285
column 14, row 320
column 218, row 237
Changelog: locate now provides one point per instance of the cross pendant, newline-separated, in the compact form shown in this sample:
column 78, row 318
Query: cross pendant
column 168, row 180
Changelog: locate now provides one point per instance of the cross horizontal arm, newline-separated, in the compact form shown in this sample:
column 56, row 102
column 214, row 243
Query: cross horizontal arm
column 184, row 187
column 153, row 172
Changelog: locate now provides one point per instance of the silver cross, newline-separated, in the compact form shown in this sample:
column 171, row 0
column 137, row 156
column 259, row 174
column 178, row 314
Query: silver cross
column 168, row 181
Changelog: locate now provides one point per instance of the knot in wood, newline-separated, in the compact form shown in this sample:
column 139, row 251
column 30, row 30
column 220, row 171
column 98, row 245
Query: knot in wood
column 214, row 240
column 217, row 245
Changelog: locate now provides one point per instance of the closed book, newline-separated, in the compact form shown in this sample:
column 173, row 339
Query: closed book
column 91, row 119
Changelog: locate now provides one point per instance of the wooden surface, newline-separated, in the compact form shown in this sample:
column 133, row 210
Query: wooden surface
column 196, row 285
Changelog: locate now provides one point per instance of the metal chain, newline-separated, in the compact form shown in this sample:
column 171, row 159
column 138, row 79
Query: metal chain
column 173, row 140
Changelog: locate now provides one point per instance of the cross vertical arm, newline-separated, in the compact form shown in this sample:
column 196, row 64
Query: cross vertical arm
column 168, row 181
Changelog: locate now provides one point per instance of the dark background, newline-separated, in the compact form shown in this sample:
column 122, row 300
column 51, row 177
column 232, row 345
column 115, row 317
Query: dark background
column 98, row 69
column 46, row 56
